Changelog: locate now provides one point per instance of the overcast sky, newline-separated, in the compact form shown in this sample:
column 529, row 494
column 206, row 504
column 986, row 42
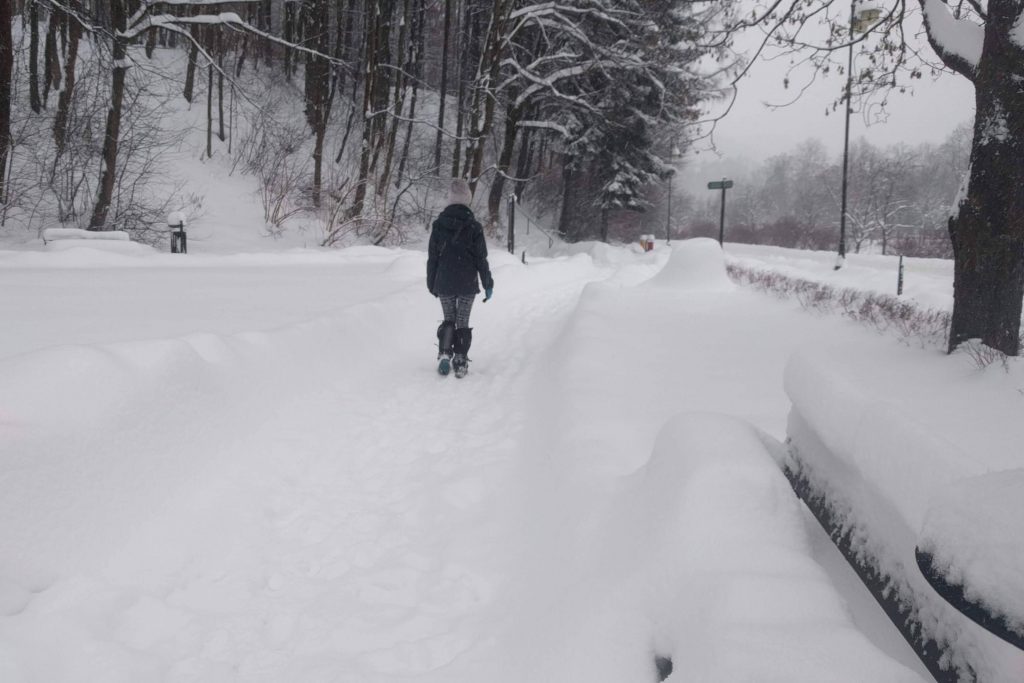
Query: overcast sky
column 753, row 131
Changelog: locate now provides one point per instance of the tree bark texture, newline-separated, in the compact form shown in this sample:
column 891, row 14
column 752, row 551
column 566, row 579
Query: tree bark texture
column 113, row 130
column 33, row 58
column 442, row 91
column 988, row 232
column 60, row 122
column 51, row 62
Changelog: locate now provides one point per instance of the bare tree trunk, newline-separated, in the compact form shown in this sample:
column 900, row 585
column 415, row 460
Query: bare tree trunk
column 350, row 53
column 33, row 57
column 404, row 47
column 113, row 131
column 6, row 73
column 266, row 25
column 289, row 35
column 417, row 71
column 220, row 87
column 190, row 72
column 318, row 91
column 60, row 122
column 523, row 164
column 512, row 117
column 370, row 53
column 442, row 91
column 484, row 97
column 51, row 61
column 566, row 227
column 209, row 111
column 463, row 43
column 151, row 42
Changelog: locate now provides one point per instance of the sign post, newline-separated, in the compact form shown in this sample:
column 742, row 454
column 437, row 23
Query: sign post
column 722, row 185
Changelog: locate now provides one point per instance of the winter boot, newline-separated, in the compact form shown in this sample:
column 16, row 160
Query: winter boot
column 445, row 342
column 463, row 339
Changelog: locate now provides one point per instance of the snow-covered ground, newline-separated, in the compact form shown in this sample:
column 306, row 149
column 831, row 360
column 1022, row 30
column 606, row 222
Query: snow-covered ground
column 244, row 467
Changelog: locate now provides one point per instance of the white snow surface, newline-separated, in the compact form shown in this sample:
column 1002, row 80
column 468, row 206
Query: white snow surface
column 922, row 449
column 245, row 467
column 973, row 530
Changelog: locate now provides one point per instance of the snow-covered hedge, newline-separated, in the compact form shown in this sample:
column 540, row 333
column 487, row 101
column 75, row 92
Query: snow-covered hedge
column 870, row 469
column 902, row 318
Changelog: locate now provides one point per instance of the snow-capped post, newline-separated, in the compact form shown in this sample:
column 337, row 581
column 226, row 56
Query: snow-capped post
column 179, row 241
column 899, row 278
column 722, row 185
column 512, row 225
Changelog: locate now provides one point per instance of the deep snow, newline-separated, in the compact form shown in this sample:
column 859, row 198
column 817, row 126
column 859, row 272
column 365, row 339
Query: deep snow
column 246, row 468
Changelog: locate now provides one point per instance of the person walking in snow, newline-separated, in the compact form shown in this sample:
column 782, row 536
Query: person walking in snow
column 456, row 258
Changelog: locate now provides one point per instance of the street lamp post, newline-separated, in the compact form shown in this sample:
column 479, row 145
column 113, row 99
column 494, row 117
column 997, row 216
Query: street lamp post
column 862, row 15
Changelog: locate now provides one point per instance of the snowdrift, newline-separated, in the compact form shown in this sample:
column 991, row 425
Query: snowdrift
column 695, row 265
column 872, row 469
column 732, row 588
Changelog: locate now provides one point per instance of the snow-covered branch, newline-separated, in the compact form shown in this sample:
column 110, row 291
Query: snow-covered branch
column 957, row 42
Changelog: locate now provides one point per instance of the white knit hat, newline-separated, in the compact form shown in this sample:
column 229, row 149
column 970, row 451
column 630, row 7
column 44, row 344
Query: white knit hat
column 459, row 193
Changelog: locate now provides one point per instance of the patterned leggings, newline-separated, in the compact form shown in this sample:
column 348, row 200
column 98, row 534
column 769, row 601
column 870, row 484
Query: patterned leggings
column 457, row 309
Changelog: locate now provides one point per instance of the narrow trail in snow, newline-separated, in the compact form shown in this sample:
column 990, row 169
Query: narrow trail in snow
column 371, row 506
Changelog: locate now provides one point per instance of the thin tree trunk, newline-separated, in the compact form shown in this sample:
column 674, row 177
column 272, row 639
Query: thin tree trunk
column 404, row 47
column 463, row 43
column 190, row 72
column 243, row 53
column 566, row 227
column 417, row 71
column 523, row 164
column 151, row 42
column 266, row 25
column 512, row 116
column 60, row 122
column 220, row 87
column 6, row 73
column 369, row 76
column 442, row 91
column 113, row 131
column 51, row 61
column 209, row 111
column 33, row 58
column 289, row 35
column 484, row 97
column 351, row 51
column 318, row 91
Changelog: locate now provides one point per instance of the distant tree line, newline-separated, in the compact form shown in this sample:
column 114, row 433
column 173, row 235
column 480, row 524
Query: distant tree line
column 350, row 110
column 900, row 199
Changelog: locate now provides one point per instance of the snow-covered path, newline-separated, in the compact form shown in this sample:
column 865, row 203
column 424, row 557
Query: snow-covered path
column 314, row 503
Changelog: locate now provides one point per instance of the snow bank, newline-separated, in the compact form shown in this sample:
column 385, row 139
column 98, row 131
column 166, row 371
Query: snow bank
column 733, row 591
column 53, row 234
column 695, row 264
column 879, row 463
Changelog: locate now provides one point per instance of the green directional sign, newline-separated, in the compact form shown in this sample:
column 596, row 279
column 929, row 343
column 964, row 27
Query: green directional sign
column 720, row 185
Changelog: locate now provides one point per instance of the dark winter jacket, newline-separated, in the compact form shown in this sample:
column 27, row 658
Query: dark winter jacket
column 457, row 254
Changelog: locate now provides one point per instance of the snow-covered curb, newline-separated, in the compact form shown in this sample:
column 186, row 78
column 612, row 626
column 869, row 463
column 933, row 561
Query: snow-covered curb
column 869, row 470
